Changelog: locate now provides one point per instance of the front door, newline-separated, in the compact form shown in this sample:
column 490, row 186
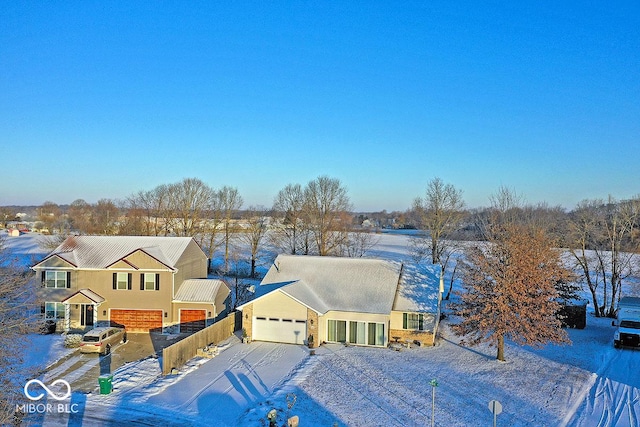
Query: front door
column 86, row 315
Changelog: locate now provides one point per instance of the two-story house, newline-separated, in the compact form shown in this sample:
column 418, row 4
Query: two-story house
column 144, row 283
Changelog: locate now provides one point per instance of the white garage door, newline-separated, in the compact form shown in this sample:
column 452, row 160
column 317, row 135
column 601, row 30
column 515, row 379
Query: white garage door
column 292, row 331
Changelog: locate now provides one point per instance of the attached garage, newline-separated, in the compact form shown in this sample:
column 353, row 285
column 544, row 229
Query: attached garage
column 192, row 320
column 291, row 331
column 137, row 320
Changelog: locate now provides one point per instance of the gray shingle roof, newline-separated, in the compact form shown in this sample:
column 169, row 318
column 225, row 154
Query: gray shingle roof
column 354, row 284
column 341, row 284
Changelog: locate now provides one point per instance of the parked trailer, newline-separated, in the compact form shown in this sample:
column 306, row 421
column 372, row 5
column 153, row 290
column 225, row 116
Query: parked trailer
column 628, row 323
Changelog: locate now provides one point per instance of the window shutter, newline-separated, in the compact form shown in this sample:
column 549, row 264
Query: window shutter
column 421, row 321
column 129, row 281
column 43, row 275
column 115, row 280
column 68, row 279
column 157, row 281
column 42, row 310
column 404, row 320
column 142, row 281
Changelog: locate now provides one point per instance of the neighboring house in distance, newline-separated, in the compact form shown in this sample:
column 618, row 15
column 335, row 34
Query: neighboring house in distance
column 313, row 299
column 143, row 283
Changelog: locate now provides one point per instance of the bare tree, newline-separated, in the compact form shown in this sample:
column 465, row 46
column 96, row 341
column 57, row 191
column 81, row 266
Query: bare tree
column 289, row 231
column 79, row 214
column 440, row 213
column 230, row 203
column 358, row 243
column 17, row 317
column 189, row 200
column 325, row 203
column 509, row 289
column 253, row 232
column 213, row 220
column 104, row 219
column 603, row 245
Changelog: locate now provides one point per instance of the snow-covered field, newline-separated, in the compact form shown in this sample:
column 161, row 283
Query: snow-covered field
column 588, row 383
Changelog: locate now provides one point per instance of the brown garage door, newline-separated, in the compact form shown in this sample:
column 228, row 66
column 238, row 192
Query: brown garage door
column 192, row 320
column 138, row 320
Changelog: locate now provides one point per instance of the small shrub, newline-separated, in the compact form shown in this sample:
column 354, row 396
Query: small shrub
column 72, row 340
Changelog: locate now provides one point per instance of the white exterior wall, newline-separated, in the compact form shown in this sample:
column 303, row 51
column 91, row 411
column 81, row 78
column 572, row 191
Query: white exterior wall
column 278, row 304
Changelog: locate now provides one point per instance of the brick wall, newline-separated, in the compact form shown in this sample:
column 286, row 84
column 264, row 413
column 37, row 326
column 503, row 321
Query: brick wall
column 426, row 337
column 312, row 327
column 247, row 319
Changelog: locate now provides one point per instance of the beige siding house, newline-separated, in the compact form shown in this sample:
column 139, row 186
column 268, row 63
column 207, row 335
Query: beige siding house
column 143, row 283
column 370, row 302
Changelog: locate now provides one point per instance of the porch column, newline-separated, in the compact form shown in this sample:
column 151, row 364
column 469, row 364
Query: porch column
column 67, row 317
column 95, row 314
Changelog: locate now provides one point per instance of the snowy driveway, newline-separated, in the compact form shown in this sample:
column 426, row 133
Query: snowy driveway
column 206, row 392
column 228, row 384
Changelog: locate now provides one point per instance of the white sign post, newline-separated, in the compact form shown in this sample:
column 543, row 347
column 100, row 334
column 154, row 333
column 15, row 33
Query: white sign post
column 496, row 409
column 433, row 383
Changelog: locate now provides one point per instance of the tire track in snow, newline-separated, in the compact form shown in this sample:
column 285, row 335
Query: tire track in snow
column 386, row 394
column 610, row 403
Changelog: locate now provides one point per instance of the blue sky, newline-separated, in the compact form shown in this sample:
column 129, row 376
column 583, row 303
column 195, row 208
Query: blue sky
column 104, row 99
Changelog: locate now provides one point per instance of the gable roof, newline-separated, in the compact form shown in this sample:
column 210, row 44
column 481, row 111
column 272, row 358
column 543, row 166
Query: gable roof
column 99, row 252
column 201, row 290
column 84, row 296
column 418, row 291
column 329, row 283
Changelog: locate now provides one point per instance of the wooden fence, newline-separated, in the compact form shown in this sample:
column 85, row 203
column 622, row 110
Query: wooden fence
column 184, row 350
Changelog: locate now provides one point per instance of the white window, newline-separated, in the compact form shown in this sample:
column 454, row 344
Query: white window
column 149, row 281
column 413, row 321
column 362, row 333
column 55, row 279
column 54, row 310
column 122, row 280
column 337, row 331
column 376, row 334
column 357, row 332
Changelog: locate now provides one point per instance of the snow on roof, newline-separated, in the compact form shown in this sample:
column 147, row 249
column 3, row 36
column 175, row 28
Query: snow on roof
column 341, row 284
column 419, row 288
column 88, row 293
column 102, row 251
column 200, row 290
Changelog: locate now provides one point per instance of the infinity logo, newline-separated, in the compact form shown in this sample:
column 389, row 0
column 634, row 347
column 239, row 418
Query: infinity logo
column 47, row 389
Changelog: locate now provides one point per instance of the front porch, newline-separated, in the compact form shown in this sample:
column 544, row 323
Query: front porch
column 81, row 311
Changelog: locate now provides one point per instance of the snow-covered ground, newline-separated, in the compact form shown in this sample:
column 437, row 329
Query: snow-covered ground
column 588, row 383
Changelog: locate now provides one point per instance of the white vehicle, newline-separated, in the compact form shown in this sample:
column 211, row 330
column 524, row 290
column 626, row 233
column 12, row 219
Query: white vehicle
column 628, row 323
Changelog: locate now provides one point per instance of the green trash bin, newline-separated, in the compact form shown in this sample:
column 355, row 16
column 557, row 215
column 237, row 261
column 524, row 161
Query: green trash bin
column 106, row 383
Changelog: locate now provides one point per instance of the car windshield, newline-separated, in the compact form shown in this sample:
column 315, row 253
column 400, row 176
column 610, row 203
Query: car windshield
column 630, row 324
column 90, row 338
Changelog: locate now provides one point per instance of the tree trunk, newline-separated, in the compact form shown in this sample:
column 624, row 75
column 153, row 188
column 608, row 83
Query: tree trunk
column 500, row 356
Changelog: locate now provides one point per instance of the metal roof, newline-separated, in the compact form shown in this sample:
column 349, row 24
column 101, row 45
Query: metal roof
column 102, row 251
column 200, row 290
